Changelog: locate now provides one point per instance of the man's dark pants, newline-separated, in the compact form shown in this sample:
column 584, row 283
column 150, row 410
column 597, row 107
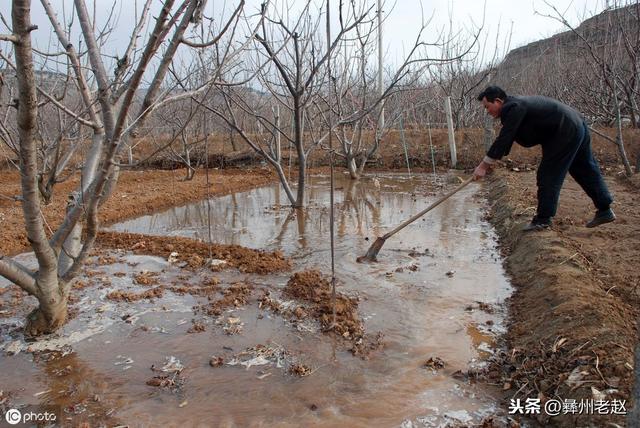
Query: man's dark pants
column 577, row 159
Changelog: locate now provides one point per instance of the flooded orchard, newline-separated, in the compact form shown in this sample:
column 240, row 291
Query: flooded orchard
column 143, row 349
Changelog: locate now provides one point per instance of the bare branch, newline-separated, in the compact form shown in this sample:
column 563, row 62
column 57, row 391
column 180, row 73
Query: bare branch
column 75, row 64
column 126, row 58
column 8, row 38
column 18, row 274
column 216, row 39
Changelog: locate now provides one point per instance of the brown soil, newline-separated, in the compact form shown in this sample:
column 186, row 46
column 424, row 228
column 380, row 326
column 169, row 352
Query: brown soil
column 128, row 296
column 172, row 381
column 573, row 314
column 309, row 286
column 235, row 296
column 314, row 291
column 196, row 327
column 577, row 292
column 137, row 193
column 146, row 278
column 300, row 370
column 208, row 287
column 434, row 363
column 195, row 253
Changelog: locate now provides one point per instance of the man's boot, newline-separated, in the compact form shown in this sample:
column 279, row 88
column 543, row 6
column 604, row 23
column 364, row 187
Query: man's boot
column 537, row 223
column 602, row 217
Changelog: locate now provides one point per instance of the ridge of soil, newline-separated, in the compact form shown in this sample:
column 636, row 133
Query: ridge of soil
column 195, row 253
column 574, row 311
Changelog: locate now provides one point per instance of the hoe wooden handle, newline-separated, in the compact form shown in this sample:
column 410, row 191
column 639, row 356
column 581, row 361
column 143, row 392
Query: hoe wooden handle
column 429, row 208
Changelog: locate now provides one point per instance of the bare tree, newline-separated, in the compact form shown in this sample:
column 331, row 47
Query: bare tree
column 60, row 132
column 611, row 42
column 182, row 136
column 294, row 80
column 106, row 109
column 460, row 78
column 361, row 127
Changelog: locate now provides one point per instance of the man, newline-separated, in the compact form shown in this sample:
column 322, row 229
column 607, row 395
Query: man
column 566, row 147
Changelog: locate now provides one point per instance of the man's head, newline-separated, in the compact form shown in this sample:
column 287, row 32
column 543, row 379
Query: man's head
column 492, row 99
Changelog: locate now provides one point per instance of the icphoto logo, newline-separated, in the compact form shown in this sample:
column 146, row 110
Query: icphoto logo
column 13, row 416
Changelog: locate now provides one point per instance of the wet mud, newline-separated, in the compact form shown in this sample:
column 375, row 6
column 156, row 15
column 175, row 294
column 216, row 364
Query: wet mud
column 310, row 287
column 195, row 254
column 161, row 333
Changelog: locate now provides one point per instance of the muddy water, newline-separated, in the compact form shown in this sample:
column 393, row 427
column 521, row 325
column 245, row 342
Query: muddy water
column 422, row 296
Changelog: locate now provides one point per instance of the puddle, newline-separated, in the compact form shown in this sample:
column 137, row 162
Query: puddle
column 436, row 292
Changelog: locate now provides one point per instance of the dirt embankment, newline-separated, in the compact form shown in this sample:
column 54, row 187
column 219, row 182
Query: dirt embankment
column 195, row 253
column 573, row 315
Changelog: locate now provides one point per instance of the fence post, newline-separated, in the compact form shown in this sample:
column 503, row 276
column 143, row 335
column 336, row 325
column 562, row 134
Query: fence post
column 404, row 143
column 452, row 137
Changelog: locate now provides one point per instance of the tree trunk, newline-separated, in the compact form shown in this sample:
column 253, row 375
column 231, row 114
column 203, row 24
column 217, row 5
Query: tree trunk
column 51, row 314
column 623, row 156
column 352, row 167
column 234, row 146
column 367, row 154
column 276, row 132
column 302, row 166
column 302, row 159
column 73, row 243
column 633, row 418
column 187, row 160
column 619, row 141
column 191, row 172
column 285, row 183
column 52, row 310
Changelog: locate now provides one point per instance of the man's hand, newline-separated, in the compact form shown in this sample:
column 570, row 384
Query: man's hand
column 481, row 170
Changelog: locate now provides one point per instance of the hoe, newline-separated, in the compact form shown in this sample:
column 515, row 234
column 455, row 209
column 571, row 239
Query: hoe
column 374, row 249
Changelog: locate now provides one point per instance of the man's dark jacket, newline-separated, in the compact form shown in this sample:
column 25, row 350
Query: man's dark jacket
column 536, row 120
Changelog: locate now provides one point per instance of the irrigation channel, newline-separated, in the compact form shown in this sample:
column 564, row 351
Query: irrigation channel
column 436, row 293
